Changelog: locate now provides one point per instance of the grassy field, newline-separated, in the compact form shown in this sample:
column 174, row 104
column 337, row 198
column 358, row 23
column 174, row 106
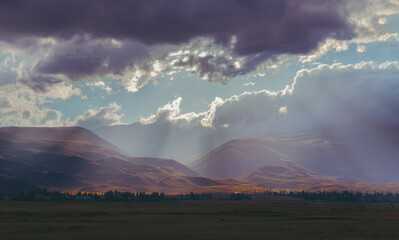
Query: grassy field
column 279, row 218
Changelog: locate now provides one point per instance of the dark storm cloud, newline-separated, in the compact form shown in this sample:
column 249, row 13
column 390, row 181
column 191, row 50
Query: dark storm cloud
column 39, row 82
column 273, row 26
column 99, row 38
column 83, row 58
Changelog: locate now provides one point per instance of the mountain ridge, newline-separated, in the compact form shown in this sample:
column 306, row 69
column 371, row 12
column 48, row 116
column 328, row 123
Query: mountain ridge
column 75, row 158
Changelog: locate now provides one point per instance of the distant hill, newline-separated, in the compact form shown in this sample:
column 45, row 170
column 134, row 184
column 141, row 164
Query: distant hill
column 76, row 159
column 361, row 149
column 8, row 184
column 291, row 177
column 285, row 176
column 237, row 157
column 347, row 155
column 168, row 165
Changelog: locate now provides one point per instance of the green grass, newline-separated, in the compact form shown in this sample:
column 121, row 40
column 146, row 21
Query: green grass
column 279, row 218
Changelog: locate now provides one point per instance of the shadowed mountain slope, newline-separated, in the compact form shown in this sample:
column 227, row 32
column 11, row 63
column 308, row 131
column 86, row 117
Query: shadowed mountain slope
column 76, row 159
column 9, row 184
column 73, row 159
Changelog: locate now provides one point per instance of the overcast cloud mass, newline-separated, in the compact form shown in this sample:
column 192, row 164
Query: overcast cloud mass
column 95, row 39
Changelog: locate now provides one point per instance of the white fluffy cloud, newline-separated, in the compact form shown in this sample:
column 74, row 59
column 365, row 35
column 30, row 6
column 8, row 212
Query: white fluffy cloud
column 249, row 84
column 102, row 85
column 95, row 118
column 367, row 17
column 246, row 108
column 327, row 94
column 361, row 48
column 20, row 103
column 20, row 106
column 282, row 110
column 382, row 20
column 25, row 100
column 200, row 56
column 170, row 113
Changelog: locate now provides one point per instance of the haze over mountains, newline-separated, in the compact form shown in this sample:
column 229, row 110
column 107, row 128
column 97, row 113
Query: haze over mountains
column 356, row 151
column 164, row 140
column 73, row 159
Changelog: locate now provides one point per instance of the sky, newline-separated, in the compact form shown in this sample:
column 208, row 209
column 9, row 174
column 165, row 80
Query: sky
column 215, row 64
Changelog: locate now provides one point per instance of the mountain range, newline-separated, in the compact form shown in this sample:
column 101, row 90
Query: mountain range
column 76, row 159
column 73, row 159
column 362, row 150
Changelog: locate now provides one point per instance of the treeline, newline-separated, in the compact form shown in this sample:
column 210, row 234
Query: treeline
column 114, row 196
column 344, row 196
column 110, row 196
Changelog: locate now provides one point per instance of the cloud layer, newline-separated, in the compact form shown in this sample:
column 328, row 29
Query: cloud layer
column 95, row 118
column 324, row 95
column 100, row 38
column 45, row 43
column 276, row 25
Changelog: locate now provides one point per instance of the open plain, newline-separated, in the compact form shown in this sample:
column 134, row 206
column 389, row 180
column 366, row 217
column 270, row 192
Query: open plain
column 273, row 218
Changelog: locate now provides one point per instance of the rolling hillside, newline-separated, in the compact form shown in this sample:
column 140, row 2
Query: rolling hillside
column 237, row 157
column 326, row 152
column 74, row 159
column 285, row 176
